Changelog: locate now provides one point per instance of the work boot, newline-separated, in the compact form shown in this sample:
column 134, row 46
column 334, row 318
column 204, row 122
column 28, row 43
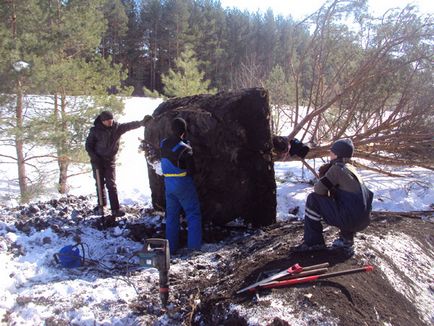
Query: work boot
column 347, row 246
column 118, row 212
column 105, row 222
column 342, row 243
column 98, row 210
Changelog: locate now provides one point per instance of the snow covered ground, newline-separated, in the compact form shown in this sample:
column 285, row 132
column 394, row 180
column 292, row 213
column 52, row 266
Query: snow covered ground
column 83, row 299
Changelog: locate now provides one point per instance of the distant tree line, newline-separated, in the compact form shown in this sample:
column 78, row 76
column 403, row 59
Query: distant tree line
column 225, row 41
column 338, row 73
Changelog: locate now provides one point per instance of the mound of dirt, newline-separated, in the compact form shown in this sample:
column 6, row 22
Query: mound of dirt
column 397, row 292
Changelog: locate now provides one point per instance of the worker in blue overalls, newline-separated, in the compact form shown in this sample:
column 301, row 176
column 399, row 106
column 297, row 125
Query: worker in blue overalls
column 178, row 167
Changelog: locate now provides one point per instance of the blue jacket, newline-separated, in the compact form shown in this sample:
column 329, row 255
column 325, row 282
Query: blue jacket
column 177, row 165
column 176, row 157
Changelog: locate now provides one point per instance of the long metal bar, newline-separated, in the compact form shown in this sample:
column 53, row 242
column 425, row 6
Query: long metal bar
column 312, row 278
column 294, row 269
column 99, row 186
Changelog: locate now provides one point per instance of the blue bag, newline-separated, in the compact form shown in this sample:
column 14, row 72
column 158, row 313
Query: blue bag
column 69, row 256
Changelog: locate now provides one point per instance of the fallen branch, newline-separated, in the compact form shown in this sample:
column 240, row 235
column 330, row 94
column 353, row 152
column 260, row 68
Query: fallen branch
column 310, row 168
column 390, row 174
column 410, row 214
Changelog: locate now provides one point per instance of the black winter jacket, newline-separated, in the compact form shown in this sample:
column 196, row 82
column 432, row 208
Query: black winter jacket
column 102, row 143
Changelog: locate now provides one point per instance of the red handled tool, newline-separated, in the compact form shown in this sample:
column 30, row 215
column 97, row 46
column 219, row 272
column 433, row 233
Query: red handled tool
column 294, row 271
column 312, row 278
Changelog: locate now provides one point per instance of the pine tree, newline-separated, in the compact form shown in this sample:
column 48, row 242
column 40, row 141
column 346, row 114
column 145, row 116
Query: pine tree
column 113, row 40
column 71, row 67
column 19, row 21
column 207, row 24
column 132, row 57
column 237, row 36
column 176, row 27
column 60, row 40
column 187, row 79
column 151, row 13
column 279, row 90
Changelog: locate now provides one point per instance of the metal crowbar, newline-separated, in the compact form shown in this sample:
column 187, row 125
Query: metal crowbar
column 295, row 269
column 312, row 278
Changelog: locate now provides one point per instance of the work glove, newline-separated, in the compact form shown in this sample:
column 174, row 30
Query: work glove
column 323, row 169
column 298, row 148
column 146, row 119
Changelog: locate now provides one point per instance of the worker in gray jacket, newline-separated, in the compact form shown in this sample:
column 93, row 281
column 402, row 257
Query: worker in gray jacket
column 340, row 198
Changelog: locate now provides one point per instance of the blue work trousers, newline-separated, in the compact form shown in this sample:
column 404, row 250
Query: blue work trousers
column 181, row 193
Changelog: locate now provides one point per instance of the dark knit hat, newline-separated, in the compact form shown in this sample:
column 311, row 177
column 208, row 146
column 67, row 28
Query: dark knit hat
column 343, row 148
column 179, row 126
column 106, row 115
column 280, row 144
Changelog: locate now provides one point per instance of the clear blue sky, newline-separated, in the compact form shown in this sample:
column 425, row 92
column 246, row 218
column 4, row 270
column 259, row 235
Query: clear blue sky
column 299, row 9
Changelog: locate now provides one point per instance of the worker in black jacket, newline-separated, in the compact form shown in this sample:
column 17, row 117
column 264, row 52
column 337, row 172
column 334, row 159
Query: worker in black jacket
column 102, row 145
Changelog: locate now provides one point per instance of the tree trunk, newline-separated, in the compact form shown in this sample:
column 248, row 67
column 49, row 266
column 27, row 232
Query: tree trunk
column 63, row 176
column 19, row 144
column 62, row 157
